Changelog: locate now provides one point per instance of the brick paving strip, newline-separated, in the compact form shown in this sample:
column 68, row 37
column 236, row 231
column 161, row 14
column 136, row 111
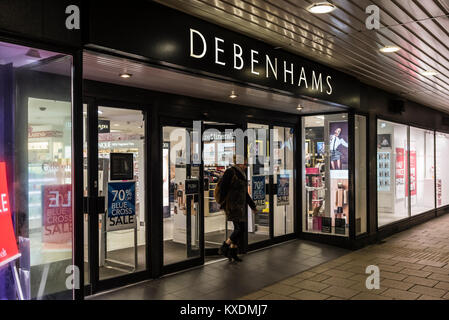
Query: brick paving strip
column 414, row 265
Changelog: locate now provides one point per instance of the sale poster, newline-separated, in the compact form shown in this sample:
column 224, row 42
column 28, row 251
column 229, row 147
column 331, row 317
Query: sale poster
column 283, row 186
column 258, row 191
column 57, row 214
column 400, row 173
column 8, row 245
column 121, row 206
column 413, row 176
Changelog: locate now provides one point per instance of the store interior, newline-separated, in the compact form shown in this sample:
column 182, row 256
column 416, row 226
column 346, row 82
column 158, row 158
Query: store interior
column 120, row 131
column 406, row 171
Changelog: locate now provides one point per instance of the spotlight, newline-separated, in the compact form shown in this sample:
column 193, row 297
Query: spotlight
column 233, row 95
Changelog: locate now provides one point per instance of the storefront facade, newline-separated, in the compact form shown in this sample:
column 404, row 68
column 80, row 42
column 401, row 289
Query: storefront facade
column 111, row 161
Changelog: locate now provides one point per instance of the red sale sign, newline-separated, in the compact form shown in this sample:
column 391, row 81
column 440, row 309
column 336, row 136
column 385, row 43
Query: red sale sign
column 8, row 243
column 57, row 206
column 413, row 173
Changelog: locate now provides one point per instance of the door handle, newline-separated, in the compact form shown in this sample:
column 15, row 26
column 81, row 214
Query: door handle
column 88, row 205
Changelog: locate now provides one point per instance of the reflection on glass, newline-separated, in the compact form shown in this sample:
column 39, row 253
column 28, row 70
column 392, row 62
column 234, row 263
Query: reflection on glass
column 181, row 210
column 259, row 180
column 326, row 178
column 219, row 149
column 36, row 89
column 283, row 157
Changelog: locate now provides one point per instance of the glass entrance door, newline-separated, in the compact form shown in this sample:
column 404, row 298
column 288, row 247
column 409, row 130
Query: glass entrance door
column 116, row 205
column 181, row 176
column 271, row 181
column 219, row 149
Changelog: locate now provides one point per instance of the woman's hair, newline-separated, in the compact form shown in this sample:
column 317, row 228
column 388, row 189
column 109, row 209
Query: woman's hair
column 238, row 159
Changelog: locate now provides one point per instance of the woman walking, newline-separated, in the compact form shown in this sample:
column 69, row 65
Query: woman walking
column 233, row 195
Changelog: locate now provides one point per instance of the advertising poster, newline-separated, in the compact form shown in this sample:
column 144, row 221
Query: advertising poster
column 57, row 215
column 338, row 145
column 321, row 148
column 258, row 191
column 283, row 183
column 8, row 245
column 413, row 185
column 121, row 206
column 400, row 173
column 439, row 193
column 383, row 141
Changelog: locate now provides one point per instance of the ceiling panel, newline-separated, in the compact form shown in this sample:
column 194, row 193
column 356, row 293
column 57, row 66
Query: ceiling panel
column 341, row 40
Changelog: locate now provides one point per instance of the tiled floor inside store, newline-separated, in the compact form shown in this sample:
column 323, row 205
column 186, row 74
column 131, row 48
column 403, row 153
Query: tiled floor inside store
column 221, row 280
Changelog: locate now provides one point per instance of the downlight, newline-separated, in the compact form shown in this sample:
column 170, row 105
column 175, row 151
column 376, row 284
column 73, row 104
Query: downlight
column 299, row 107
column 390, row 49
column 125, row 75
column 233, row 95
column 321, row 7
column 429, row 73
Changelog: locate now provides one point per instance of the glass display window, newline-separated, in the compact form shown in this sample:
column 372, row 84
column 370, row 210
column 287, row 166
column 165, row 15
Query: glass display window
column 37, row 87
column 361, row 178
column 422, row 170
column 442, row 170
column 392, row 172
column 326, row 174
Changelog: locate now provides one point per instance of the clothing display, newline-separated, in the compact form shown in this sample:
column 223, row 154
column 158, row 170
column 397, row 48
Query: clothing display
column 341, row 200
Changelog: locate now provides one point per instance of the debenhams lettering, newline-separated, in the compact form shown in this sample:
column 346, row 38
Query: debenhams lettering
column 280, row 70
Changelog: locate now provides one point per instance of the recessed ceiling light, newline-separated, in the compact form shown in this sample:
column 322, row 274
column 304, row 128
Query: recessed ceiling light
column 429, row 73
column 100, row 112
column 321, row 7
column 125, row 75
column 390, row 49
column 299, row 107
column 116, row 125
column 233, row 95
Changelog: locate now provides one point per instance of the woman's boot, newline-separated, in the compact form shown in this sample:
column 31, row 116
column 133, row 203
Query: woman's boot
column 224, row 249
column 233, row 254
